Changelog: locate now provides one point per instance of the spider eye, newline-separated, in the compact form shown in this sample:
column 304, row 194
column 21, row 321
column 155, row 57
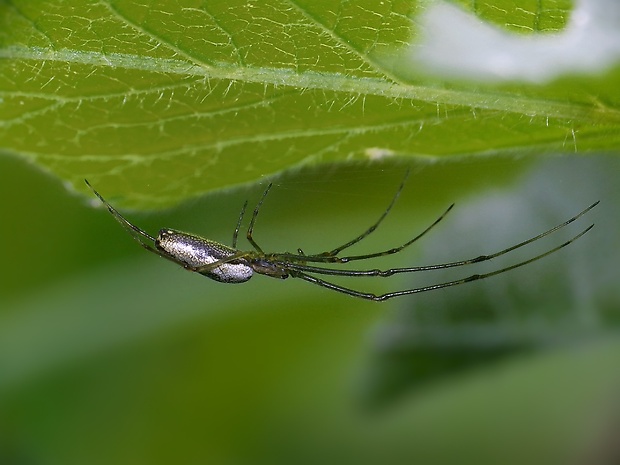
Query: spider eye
column 165, row 236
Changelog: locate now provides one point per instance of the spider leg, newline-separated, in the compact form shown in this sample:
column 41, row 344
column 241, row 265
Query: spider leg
column 297, row 272
column 335, row 287
column 236, row 233
column 481, row 258
column 396, row 249
column 393, row 271
column 253, row 221
column 337, row 250
column 213, row 265
column 138, row 234
column 135, row 232
column 326, row 257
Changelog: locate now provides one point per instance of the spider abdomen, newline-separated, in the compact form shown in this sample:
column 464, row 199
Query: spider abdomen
column 196, row 252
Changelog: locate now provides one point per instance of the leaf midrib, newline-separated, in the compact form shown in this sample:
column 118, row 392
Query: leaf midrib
column 335, row 82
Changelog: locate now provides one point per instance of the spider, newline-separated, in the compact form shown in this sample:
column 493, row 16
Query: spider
column 230, row 265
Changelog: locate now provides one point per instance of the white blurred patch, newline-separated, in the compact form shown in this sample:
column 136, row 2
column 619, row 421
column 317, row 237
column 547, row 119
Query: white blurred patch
column 378, row 153
column 456, row 43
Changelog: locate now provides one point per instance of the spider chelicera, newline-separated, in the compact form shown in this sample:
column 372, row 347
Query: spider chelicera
column 230, row 265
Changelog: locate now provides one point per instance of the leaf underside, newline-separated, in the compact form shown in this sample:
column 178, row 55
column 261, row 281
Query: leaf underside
column 161, row 101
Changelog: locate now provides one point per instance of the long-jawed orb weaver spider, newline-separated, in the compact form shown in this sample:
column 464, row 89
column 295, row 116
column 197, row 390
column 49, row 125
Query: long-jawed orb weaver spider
column 230, row 265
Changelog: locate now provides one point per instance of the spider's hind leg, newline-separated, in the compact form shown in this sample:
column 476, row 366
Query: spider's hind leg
column 371, row 229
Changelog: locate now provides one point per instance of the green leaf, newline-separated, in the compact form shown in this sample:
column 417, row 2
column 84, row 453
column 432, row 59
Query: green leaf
column 160, row 101
column 528, row 16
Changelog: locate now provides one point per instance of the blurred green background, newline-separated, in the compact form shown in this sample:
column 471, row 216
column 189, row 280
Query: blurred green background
column 109, row 354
